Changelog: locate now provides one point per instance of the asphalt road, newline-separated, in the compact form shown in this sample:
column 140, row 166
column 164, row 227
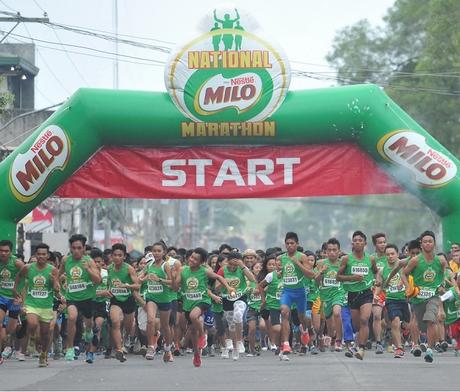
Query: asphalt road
column 327, row 371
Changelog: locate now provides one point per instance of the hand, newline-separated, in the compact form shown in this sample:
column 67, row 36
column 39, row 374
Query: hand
column 241, row 263
column 85, row 265
column 358, row 278
column 323, row 268
column 441, row 290
column 231, row 292
column 63, row 300
column 218, row 299
column 154, row 277
column 17, row 300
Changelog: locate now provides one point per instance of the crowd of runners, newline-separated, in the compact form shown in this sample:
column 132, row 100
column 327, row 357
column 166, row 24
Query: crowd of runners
column 174, row 302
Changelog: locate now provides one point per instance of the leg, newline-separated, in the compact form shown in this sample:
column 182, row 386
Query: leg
column 72, row 314
column 285, row 326
column 116, row 317
column 364, row 315
column 252, row 336
column 377, row 322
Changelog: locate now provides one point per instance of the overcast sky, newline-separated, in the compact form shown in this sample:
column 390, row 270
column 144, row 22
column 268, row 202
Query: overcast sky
column 304, row 28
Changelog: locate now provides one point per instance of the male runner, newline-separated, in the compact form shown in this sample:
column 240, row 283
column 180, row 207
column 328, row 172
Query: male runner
column 379, row 240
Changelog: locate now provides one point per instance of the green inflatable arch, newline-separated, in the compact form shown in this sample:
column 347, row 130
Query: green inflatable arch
column 362, row 114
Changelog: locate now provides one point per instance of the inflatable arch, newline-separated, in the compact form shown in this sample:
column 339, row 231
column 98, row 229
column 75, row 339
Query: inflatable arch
column 360, row 114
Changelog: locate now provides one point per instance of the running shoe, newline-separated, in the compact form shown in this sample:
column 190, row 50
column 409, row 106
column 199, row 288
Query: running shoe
column 369, row 345
column 20, row 356
column 42, row 362
column 457, row 353
column 176, row 352
column 314, row 350
column 379, row 349
column 423, row 347
column 204, row 352
column 108, row 353
column 168, row 357
column 251, row 354
column 95, row 339
column 350, row 352
column 390, row 348
column 283, row 357
column 277, row 351
column 120, row 355
column 438, row 348
column 212, row 351
column 360, row 354
column 241, row 348
column 236, row 355
column 150, row 355
column 338, row 347
column 89, row 357
column 197, row 360
column 303, row 351
column 428, row 355
column 7, row 352
column 304, row 337
column 286, row 349
column 399, row 352
column 203, row 341
column 70, row 354
column 224, row 353
column 444, row 345
column 417, row 352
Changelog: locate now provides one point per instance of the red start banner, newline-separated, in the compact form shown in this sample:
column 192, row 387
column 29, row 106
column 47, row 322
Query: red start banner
column 228, row 173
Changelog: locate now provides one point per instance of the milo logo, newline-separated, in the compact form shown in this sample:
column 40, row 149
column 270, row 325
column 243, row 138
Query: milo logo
column 233, row 282
column 75, row 273
column 289, row 269
column 5, row 274
column 229, row 72
column 192, row 284
column 429, row 276
column 39, row 281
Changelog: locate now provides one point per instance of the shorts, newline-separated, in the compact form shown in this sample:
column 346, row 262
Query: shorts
column 142, row 319
column 399, row 309
column 203, row 306
column 173, row 314
column 360, row 298
column 220, row 323
column 127, row 307
column 315, row 306
column 228, row 305
column 427, row 311
column 7, row 305
column 273, row 314
column 100, row 310
column 252, row 315
column 85, row 307
column 297, row 296
column 328, row 306
column 209, row 318
column 44, row 315
column 162, row 307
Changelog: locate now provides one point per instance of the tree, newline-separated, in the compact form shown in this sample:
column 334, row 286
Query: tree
column 415, row 56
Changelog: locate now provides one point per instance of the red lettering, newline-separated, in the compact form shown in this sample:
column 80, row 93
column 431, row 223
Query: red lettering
column 436, row 171
column 28, row 177
column 38, row 163
column 213, row 96
column 47, row 160
column 421, row 163
column 248, row 91
column 402, row 148
column 55, row 146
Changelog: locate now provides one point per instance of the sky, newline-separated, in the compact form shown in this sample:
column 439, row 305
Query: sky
column 304, row 28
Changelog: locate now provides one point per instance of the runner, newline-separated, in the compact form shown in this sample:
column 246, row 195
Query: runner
column 235, row 273
column 122, row 284
column 253, row 316
column 451, row 300
column 427, row 271
column 294, row 270
column 41, row 280
column 82, row 276
column 357, row 272
column 9, row 268
column 396, row 301
column 332, row 293
column 158, row 298
column 379, row 240
column 193, row 281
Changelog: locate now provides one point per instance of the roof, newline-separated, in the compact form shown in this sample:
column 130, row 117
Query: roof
column 8, row 59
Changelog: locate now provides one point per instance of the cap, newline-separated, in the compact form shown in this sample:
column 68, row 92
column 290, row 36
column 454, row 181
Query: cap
column 249, row 252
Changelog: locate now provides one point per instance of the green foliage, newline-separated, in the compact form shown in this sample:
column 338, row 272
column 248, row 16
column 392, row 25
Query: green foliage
column 416, row 56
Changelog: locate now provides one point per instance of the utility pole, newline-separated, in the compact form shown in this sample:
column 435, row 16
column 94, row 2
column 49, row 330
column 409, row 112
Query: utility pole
column 115, row 28
column 18, row 18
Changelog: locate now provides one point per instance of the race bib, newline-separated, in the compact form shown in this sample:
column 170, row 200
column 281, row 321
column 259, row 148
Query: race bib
column 329, row 282
column 290, row 280
column 119, row 291
column 425, row 293
column 234, row 297
column 7, row 284
column 194, row 296
column 360, row 270
column 75, row 287
column 39, row 293
column 154, row 288
column 256, row 297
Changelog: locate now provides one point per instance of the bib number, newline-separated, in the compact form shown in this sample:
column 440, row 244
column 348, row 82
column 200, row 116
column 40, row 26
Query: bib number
column 256, row 297
column 194, row 296
column 119, row 291
column 39, row 294
column 359, row 270
column 425, row 293
column 75, row 287
column 155, row 288
column 7, row 284
column 291, row 280
column 328, row 282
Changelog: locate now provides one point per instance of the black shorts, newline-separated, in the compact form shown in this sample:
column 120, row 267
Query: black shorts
column 173, row 314
column 127, row 307
column 100, row 310
column 228, row 305
column 359, row 298
column 399, row 309
column 161, row 306
column 85, row 307
column 252, row 315
column 273, row 314
column 204, row 307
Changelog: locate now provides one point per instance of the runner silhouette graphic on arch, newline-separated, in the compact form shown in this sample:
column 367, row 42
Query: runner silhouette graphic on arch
column 227, row 23
column 216, row 38
column 238, row 37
